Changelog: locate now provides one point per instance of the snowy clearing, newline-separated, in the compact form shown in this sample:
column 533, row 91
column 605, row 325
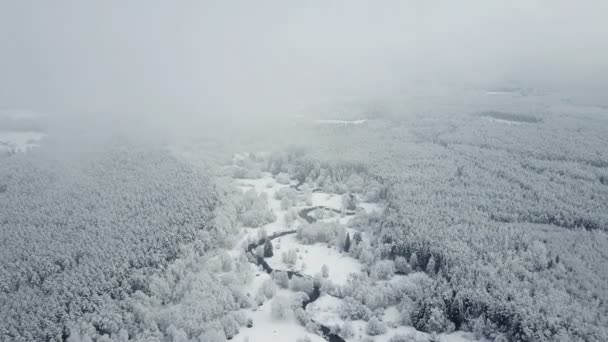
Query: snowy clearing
column 311, row 259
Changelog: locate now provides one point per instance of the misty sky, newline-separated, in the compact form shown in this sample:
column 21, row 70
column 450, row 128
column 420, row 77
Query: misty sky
column 261, row 57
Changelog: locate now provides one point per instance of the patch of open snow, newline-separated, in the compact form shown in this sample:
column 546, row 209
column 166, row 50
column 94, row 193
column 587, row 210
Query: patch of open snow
column 340, row 265
column 267, row 328
column 326, row 199
column 371, row 207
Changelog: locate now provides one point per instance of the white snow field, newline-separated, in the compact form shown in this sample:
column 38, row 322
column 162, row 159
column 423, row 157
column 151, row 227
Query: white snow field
column 313, row 257
column 268, row 328
column 325, row 199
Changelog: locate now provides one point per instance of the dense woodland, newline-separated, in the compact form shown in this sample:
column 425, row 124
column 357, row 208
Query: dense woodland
column 79, row 238
column 512, row 218
column 501, row 229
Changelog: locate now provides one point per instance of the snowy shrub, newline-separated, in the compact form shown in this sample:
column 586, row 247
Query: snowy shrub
column 327, row 286
column 290, row 217
column 326, row 232
column 325, row 271
column 226, row 260
column 479, row 326
column 280, row 278
column 230, row 325
column 383, row 270
column 280, row 307
column 366, row 256
column 282, row 178
column 406, row 307
column 438, row 323
column 257, row 218
column 353, row 309
column 414, row 261
column 347, row 330
column 298, row 299
column 302, row 316
column 268, row 288
column 303, row 284
column 261, row 234
column 402, row 266
column 375, row 327
column 290, row 257
column 254, row 211
column 286, row 193
column 260, row 298
column 349, row 202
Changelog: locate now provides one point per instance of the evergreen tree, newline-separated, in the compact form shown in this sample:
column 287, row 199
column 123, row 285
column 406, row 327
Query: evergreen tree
column 430, row 266
column 357, row 238
column 347, row 243
column 268, row 249
column 414, row 261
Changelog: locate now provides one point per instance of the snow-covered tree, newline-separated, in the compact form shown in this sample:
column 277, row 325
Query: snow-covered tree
column 375, row 327
column 430, row 266
column 290, row 257
column 268, row 253
column 347, row 243
column 302, row 284
column 268, row 288
column 230, row 325
column 325, row 271
column 280, row 307
column 414, row 261
column 402, row 266
column 384, row 269
column 347, row 330
column 281, row 278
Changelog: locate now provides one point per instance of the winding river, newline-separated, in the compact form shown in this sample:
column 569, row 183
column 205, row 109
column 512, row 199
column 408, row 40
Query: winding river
column 316, row 293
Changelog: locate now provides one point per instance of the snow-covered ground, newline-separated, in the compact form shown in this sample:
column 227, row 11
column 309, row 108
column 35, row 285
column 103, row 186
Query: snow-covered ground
column 325, row 199
column 313, row 257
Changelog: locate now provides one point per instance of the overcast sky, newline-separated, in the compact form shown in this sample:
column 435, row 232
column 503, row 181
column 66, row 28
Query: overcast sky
column 151, row 57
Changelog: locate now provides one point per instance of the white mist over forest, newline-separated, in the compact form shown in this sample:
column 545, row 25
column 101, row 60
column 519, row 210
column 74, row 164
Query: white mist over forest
column 170, row 63
column 309, row 171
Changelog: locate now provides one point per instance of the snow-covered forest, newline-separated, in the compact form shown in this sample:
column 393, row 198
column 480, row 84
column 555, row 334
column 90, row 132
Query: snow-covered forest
column 343, row 171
